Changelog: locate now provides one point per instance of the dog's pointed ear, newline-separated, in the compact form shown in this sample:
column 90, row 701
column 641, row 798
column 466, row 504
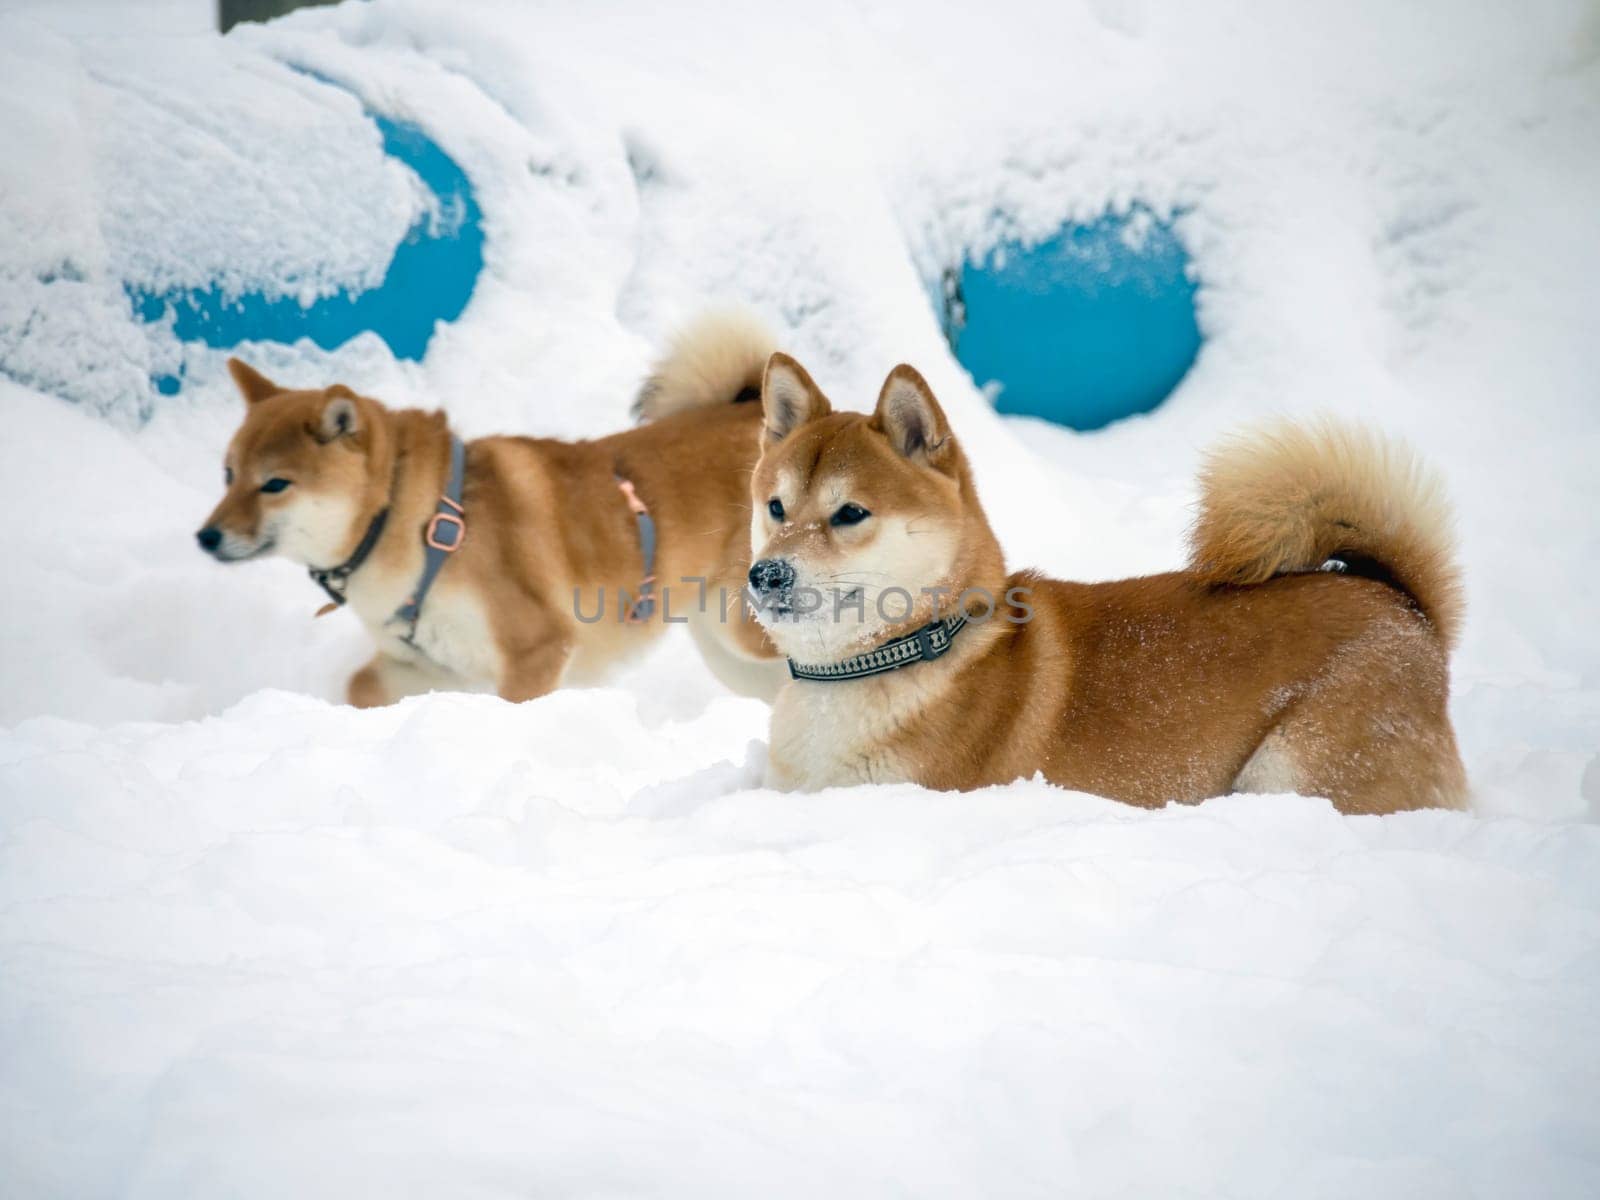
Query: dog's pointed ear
column 340, row 417
column 252, row 384
column 789, row 398
column 911, row 418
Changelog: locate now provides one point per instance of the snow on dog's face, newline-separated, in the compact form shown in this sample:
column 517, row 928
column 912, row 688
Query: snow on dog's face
column 862, row 526
column 298, row 474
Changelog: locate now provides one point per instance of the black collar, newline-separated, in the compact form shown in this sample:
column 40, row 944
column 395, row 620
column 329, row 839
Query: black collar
column 923, row 645
column 333, row 579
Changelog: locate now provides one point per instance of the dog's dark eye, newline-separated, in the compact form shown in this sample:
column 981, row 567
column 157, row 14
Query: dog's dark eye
column 274, row 485
column 775, row 507
column 849, row 514
column 227, row 476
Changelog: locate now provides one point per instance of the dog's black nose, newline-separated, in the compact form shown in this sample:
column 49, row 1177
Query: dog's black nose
column 772, row 575
column 209, row 538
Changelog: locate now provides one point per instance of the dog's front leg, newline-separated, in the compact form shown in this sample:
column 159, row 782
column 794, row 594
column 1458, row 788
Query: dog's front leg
column 385, row 680
column 534, row 670
column 366, row 688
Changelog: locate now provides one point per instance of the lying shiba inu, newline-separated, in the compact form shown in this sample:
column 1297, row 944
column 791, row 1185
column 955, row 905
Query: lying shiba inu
column 1304, row 649
column 511, row 563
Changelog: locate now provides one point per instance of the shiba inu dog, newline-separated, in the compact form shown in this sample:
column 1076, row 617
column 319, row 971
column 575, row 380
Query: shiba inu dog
column 512, row 563
column 1305, row 648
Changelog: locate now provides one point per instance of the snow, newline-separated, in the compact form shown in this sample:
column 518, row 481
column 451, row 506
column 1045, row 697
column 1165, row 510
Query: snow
column 253, row 943
column 450, row 949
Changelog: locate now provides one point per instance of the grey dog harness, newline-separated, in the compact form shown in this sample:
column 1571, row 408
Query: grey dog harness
column 441, row 537
column 923, row 645
column 644, row 606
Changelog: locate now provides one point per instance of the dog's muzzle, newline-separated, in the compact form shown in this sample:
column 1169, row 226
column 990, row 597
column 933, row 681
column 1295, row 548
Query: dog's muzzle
column 772, row 577
column 225, row 549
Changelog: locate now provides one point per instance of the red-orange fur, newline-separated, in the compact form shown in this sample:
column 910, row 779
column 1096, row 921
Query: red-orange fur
column 548, row 530
column 1250, row 671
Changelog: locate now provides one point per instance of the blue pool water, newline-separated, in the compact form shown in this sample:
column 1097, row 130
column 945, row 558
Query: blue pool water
column 429, row 279
column 1095, row 324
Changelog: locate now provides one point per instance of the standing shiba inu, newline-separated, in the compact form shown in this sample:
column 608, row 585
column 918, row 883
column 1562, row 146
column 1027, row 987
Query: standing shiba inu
column 1304, row 649
column 511, row 563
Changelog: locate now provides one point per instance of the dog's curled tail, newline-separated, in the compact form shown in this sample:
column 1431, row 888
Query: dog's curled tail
column 718, row 358
column 1289, row 497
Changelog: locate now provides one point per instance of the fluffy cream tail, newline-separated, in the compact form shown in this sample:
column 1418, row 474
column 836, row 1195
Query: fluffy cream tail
column 1289, row 497
column 717, row 359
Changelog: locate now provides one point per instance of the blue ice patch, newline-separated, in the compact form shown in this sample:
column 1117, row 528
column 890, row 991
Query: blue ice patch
column 1096, row 324
column 430, row 278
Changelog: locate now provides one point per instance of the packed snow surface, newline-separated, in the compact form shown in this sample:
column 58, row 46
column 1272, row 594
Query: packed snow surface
column 255, row 943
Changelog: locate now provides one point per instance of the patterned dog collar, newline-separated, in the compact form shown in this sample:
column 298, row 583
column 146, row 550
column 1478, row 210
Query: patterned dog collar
column 924, row 645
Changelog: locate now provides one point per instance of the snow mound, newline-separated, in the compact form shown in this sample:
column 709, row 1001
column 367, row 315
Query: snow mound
column 138, row 165
column 457, row 947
